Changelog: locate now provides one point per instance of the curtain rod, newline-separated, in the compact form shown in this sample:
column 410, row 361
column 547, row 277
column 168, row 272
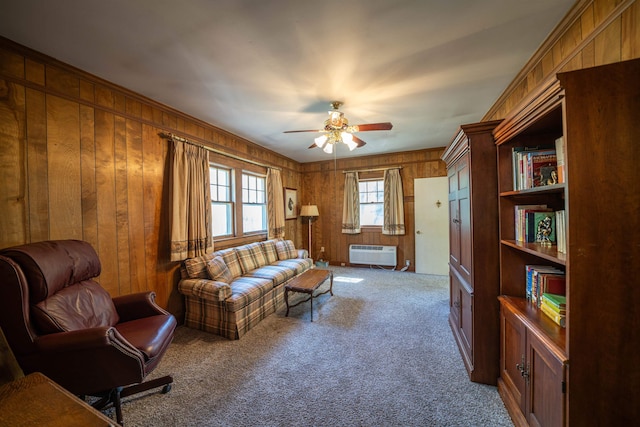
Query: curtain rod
column 213, row 150
column 374, row 170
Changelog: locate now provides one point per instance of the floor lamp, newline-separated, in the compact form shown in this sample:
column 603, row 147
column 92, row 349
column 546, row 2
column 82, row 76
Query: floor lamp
column 309, row 213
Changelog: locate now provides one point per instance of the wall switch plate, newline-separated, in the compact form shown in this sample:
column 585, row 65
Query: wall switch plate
column 322, row 249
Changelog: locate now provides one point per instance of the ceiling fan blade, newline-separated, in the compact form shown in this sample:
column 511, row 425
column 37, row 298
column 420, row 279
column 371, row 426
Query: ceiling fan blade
column 308, row 130
column 313, row 145
column 358, row 141
column 374, row 126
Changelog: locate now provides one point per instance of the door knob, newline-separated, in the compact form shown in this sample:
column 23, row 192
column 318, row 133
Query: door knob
column 418, row 232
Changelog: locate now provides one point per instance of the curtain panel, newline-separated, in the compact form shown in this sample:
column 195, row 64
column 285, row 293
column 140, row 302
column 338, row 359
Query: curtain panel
column 191, row 233
column 275, row 204
column 393, row 204
column 351, row 205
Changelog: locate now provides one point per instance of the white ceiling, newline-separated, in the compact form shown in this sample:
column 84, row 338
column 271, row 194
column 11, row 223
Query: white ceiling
column 258, row 68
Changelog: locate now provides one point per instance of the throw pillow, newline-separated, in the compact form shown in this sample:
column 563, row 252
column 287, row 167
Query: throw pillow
column 218, row 270
column 286, row 250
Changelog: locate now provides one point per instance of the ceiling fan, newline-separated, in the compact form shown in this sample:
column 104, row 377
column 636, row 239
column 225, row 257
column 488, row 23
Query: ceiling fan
column 337, row 129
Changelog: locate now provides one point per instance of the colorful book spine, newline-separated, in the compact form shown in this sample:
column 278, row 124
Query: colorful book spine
column 557, row 318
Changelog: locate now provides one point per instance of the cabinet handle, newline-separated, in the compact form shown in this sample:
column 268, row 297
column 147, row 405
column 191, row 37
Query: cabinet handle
column 520, row 366
column 456, row 221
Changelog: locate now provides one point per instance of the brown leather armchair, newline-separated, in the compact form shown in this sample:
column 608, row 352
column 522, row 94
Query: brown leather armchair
column 59, row 321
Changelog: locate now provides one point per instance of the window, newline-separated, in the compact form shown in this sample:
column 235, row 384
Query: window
column 371, row 202
column 221, row 201
column 254, row 203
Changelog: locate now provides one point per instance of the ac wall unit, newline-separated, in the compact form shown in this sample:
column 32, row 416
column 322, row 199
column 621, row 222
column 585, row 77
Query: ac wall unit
column 373, row 255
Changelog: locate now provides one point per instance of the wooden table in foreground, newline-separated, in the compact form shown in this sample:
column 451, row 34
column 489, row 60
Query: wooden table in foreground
column 35, row 400
column 307, row 283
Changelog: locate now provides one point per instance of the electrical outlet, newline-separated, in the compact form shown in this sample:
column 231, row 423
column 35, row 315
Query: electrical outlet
column 322, row 249
column 408, row 263
column 342, row 264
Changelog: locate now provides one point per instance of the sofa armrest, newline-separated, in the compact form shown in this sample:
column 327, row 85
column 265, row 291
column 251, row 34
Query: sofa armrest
column 205, row 289
column 137, row 306
column 303, row 253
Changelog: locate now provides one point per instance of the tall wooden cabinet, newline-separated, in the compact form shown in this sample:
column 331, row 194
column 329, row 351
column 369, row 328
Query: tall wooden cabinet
column 586, row 373
column 473, row 259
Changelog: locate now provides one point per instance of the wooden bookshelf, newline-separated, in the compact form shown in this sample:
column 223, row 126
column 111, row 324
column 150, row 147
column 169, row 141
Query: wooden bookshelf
column 596, row 111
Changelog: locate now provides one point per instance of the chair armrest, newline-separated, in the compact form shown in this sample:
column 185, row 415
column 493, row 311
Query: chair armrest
column 302, row 254
column 85, row 339
column 136, row 306
column 205, row 289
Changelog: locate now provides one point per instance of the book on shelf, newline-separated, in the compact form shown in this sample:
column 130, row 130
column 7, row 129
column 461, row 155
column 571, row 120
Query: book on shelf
column 538, row 162
column 560, row 319
column 536, row 281
column 555, row 300
column 561, row 233
column 540, row 227
column 560, row 150
column 559, row 309
column 520, row 220
column 527, row 164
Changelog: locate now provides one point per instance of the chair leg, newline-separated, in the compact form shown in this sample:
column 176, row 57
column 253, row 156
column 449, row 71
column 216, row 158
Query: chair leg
column 117, row 404
column 115, row 396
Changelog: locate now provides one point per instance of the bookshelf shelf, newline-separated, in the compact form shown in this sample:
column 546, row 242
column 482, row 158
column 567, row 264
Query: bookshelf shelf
column 548, row 253
column 595, row 111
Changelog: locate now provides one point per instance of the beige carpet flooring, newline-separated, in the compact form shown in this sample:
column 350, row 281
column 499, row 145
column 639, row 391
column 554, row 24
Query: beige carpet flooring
column 379, row 353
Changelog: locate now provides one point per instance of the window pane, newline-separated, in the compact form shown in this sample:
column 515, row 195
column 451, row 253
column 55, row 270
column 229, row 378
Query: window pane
column 254, row 218
column 372, row 214
column 222, row 219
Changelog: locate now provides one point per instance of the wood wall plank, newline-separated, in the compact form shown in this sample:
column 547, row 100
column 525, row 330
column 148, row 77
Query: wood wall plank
column 106, row 201
column 135, row 205
column 89, row 186
column 122, row 205
column 13, row 220
column 37, row 179
column 63, row 168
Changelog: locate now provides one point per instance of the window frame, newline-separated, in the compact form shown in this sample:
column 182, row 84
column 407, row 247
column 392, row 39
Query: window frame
column 230, row 203
column 380, row 181
column 263, row 179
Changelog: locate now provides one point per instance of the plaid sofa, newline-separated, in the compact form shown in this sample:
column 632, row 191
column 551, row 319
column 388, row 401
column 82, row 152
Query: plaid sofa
column 230, row 291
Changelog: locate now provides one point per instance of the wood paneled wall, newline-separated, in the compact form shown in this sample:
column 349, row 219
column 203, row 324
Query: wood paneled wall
column 323, row 185
column 81, row 158
column 594, row 32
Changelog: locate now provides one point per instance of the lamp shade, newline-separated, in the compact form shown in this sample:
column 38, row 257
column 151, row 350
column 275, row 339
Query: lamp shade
column 309, row 210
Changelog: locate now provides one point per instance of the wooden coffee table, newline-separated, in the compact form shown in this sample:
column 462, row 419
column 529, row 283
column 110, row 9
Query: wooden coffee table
column 307, row 283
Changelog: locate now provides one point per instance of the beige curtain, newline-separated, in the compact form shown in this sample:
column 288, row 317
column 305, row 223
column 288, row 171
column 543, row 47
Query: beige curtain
column 275, row 204
column 393, row 203
column 351, row 205
column 191, row 233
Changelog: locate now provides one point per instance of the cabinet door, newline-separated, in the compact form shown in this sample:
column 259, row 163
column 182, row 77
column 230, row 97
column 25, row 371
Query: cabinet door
column 546, row 400
column 454, row 300
column 466, row 322
column 464, row 219
column 512, row 356
column 454, row 228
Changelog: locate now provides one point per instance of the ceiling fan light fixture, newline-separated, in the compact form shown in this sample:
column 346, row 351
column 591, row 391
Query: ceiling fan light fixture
column 347, row 138
column 321, row 140
column 328, row 148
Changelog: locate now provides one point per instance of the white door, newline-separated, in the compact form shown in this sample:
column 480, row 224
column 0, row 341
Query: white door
column 432, row 225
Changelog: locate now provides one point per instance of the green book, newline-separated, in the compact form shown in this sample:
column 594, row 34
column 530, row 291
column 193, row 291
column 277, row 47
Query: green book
column 558, row 301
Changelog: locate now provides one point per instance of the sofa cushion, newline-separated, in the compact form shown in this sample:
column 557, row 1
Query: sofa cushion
column 251, row 256
column 299, row 265
column 231, row 259
column 270, row 252
column 245, row 290
column 276, row 273
column 79, row 306
column 218, row 270
column 197, row 267
column 286, row 250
